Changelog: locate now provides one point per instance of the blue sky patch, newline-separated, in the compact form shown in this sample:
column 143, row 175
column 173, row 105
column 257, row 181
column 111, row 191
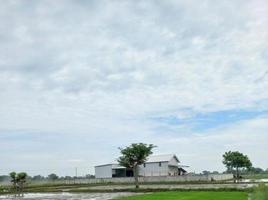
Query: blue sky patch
column 202, row 122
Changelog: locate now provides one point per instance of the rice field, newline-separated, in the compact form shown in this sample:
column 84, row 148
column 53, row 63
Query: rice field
column 193, row 195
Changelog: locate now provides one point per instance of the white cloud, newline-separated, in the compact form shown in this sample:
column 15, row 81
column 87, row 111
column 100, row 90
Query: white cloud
column 104, row 69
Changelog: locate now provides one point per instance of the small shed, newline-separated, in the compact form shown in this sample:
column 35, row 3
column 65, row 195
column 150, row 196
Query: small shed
column 112, row 171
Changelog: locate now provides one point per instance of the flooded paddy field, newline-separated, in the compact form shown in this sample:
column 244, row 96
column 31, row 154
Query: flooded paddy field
column 66, row 196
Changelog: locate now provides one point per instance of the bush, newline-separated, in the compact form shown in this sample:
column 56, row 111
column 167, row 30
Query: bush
column 260, row 192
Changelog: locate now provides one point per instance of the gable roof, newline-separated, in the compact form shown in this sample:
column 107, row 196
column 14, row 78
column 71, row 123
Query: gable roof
column 113, row 165
column 162, row 158
column 151, row 159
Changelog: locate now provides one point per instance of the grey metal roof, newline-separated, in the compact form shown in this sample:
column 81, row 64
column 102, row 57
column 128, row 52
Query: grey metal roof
column 104, row 165
column 161, row 158
column 182, row 166
column 113, row 165
column 151, row 159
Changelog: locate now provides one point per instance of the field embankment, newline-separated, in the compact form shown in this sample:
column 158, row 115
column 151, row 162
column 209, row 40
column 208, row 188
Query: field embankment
column 76, row 188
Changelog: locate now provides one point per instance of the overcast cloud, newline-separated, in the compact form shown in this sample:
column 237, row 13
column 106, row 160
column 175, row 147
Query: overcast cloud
column 80, row 78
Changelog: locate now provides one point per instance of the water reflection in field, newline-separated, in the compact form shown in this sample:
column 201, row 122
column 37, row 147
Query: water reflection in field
column 66, row 196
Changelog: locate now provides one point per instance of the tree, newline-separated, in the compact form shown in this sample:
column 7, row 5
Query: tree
column 67, row 177
column 236, row 160
column 18, row 180
column 21, row 179
column 13, row 176
column 4, row 178
column 135, row 155
column 257, row 170
column 52, row 176
column 205, row 172
column 38, row 177
column 90, row 176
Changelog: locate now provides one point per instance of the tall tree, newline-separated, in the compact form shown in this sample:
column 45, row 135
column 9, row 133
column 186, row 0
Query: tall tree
column 13, row 176
column 235, row 161
column 21, row 177
column 135, row 155
column 18, row 180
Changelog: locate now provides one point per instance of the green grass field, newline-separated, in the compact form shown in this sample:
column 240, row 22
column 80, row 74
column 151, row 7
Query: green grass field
column 190, row 196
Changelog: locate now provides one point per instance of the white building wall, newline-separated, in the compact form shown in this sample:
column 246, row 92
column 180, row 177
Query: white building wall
column 104, row 171
column 153, row 169
column 173, row 162
column 173, row 171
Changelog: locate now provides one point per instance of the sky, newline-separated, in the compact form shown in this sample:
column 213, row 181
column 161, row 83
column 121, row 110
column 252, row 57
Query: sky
column 80, row 78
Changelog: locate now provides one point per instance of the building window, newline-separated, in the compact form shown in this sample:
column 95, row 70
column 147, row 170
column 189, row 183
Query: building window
column 160, row 164
column 144, row 165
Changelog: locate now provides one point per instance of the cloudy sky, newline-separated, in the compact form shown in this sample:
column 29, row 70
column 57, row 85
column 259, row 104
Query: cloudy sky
column 80, row 78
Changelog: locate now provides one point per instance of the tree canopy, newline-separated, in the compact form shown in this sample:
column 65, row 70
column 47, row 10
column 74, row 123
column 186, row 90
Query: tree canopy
column 134, row 155
column 18, row 180
column 52, row 176
column 235, row 161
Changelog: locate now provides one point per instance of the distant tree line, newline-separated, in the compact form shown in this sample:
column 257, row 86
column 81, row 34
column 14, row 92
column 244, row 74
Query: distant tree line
column 252, row 170
column 205, row 172
column 53, row 177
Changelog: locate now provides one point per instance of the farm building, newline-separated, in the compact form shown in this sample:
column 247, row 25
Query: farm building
column 158, row 165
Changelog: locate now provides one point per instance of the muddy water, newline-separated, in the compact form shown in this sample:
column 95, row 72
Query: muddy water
column 66, row 196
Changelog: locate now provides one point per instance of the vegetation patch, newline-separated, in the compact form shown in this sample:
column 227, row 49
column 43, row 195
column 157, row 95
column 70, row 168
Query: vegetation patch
column 260, row 192
column 256, row 176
